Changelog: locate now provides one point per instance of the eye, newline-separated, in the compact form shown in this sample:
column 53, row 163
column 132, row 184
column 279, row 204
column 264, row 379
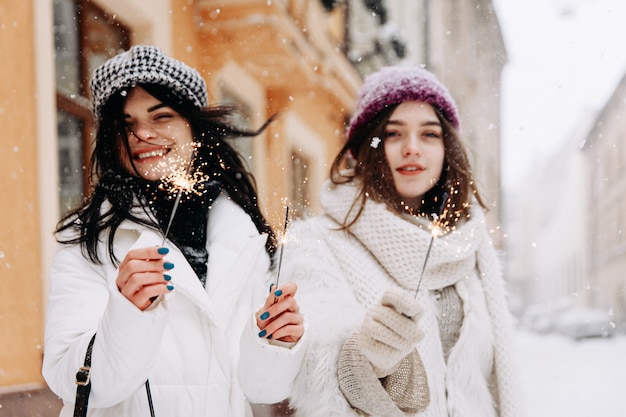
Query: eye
column 391, row 134
column 432, row 134
column 161, row 117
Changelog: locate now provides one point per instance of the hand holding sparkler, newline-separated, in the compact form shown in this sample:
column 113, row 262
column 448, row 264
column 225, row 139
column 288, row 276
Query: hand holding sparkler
column 280, row 317
column 143, row 275
column 389, row 330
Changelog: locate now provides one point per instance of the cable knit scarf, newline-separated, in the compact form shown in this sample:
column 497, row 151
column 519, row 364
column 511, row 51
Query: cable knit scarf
column 479, row 370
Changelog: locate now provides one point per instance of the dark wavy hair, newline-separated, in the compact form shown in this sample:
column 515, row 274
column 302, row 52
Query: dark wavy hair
column 450, row 198
column 210, row 127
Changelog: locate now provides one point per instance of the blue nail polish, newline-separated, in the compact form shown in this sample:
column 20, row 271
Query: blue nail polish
column 168, row 265
column 170, row 287
column 278, row 293
column 167, row 277
column 262, row 333
column 163, row 251
column 269, row 337
column 264, row 316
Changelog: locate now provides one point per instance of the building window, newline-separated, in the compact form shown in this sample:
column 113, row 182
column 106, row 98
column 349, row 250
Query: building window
column 84, row 37
column 71, row 166
column 241, row 119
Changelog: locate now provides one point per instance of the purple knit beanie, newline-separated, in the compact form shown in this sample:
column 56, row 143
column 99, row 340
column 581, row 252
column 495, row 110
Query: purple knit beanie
column 394, row 85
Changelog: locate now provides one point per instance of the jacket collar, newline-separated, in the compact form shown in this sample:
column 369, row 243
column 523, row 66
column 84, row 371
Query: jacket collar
column 236, row 250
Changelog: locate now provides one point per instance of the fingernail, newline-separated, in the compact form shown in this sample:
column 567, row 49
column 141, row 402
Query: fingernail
column 168, row 265
column 167, row 277
column 170, row 287
column 269, row 337
column 262, row 333
column 163, row 251
column 278, row 293
column 271, row 286
column 265, row 315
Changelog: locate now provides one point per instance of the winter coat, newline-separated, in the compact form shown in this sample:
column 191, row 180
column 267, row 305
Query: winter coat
column 341, row 274
column 187, row 344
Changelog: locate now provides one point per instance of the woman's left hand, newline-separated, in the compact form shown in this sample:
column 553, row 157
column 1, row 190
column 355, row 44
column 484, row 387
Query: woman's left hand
column 280, row 317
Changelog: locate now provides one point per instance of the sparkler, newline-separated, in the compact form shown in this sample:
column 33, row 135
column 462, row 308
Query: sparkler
column 182, row 181
column 435, row 232
column 282, row 246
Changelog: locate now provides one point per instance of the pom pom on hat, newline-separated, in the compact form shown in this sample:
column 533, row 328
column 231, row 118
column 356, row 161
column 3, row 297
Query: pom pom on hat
column 144, row 64
column 394, row 85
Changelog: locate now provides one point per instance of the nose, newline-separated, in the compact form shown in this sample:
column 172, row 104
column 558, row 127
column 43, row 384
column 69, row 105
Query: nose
column 144, row 132
column 411, row 146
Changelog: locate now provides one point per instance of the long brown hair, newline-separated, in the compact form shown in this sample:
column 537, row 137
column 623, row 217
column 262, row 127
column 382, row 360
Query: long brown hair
column 450, row 198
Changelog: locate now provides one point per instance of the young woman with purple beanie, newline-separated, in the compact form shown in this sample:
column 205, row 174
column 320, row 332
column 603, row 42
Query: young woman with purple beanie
column 398, row 278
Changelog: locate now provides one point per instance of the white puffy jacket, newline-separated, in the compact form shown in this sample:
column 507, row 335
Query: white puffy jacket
column 189, row 344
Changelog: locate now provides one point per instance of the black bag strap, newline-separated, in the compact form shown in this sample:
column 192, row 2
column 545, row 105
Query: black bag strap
column 149, row 394
column 83, row 383
column 83, row 386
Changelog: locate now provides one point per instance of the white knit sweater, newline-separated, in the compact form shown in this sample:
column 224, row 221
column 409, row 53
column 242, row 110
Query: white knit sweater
column 340, row 275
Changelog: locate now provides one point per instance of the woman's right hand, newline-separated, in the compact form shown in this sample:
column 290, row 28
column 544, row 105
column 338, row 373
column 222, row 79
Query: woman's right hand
column 389, row 331
column 141, row 275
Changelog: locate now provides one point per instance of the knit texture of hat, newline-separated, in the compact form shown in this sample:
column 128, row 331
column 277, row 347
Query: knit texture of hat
column 394, row 85
column 146, row 65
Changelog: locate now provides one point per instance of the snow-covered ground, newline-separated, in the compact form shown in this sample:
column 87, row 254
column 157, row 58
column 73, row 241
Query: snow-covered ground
column 563, row 377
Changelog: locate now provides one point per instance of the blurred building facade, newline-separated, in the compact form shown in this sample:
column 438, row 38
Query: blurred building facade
column 567, row 222
column 546, row 258
column 605, row 155
column 302, row 58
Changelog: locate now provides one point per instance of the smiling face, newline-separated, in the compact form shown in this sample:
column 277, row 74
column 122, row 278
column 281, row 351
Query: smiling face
column 160, row 140
column 414, row 149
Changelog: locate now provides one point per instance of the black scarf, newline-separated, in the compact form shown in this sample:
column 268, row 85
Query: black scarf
column 189, row 225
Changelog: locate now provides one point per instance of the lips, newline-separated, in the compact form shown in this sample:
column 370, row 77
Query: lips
column 412, row 169
column 140, row 156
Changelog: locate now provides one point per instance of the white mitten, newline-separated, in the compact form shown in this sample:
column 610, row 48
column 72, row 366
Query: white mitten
column 389, row 331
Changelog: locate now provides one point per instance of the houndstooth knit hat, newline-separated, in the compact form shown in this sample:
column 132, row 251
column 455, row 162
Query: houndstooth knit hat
column 146, row 64
column 394, row 85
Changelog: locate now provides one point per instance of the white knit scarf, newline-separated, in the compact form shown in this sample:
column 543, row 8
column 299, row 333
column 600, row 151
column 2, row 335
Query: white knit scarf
column 479, row 370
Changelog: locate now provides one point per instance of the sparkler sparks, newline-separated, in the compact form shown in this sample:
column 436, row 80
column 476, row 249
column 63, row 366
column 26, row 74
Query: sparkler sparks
column 181, row 181
column 184, row 182
column 181, row 178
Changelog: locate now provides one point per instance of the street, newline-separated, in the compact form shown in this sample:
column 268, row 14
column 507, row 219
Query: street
column 563, row 377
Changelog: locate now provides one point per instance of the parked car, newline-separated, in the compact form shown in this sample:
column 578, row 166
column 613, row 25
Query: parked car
column 540, row 318
column 575, row 322
column 582, row 323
